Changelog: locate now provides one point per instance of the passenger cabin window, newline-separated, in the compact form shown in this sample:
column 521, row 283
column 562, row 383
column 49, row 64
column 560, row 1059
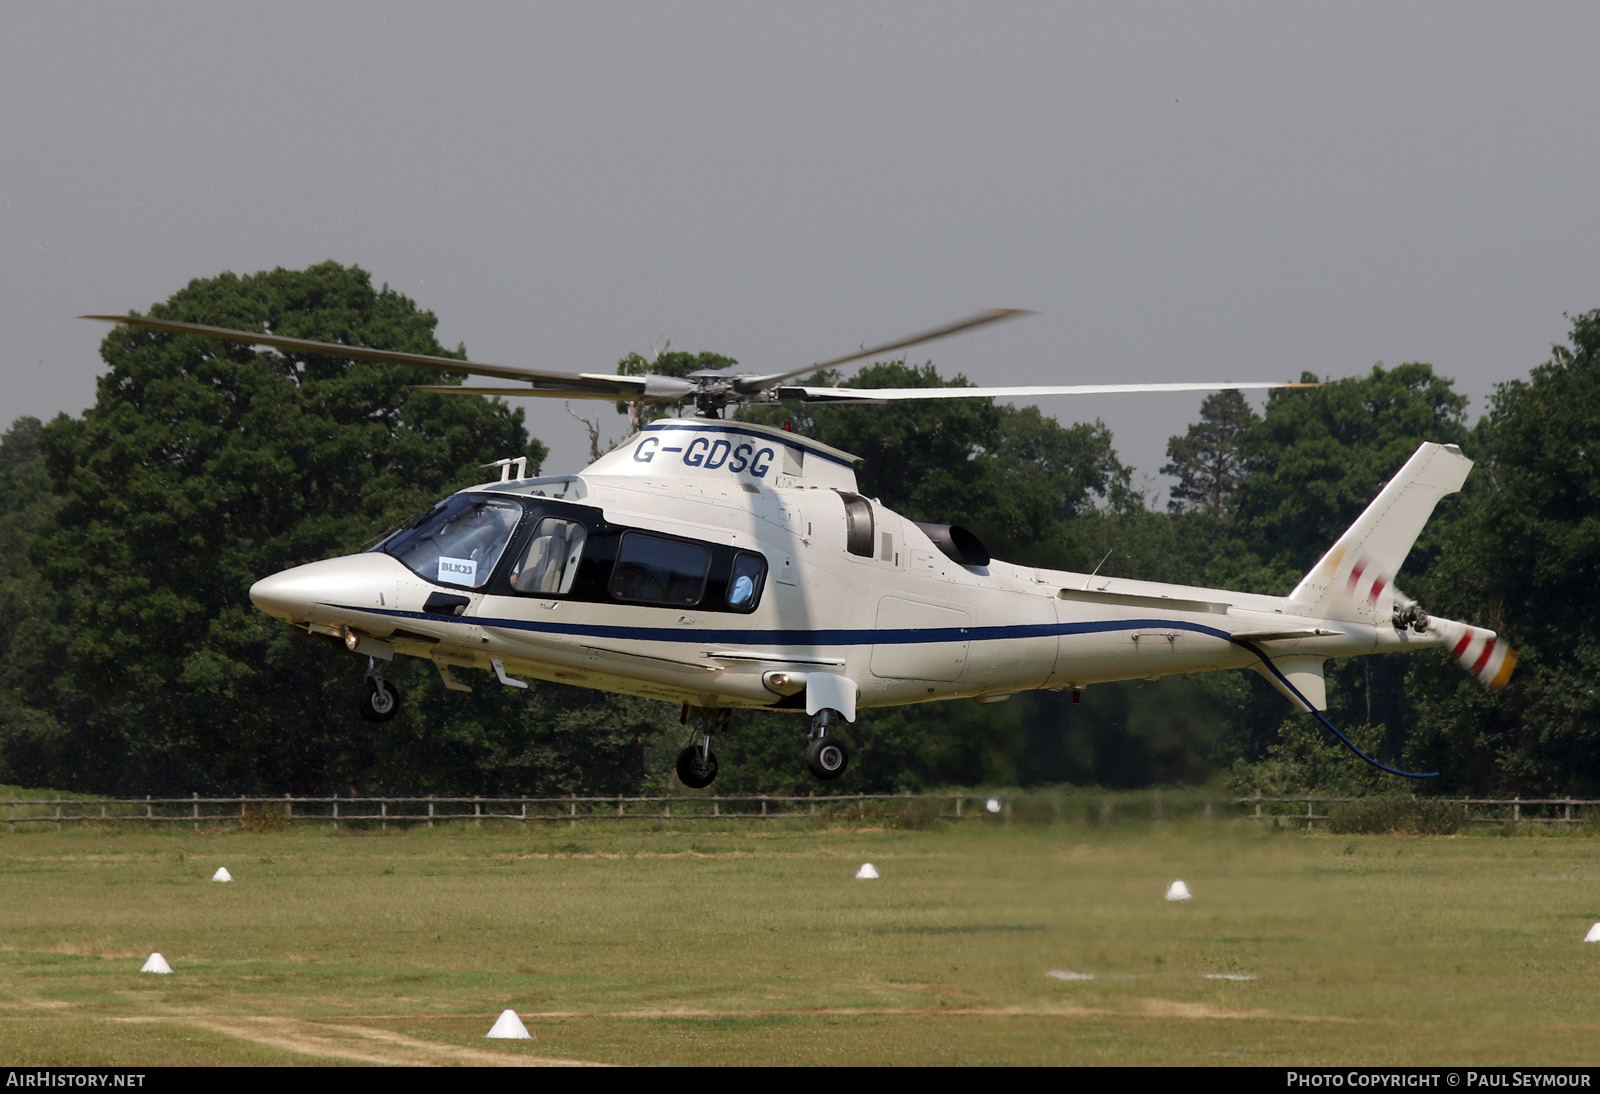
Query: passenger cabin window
column 858, row 524
column 457, row 542
column 550, row 564
column 744, row 584
column 655, row 570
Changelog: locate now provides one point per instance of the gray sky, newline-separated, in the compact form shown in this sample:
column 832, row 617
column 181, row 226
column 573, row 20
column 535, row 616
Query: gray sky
column 1181, row 191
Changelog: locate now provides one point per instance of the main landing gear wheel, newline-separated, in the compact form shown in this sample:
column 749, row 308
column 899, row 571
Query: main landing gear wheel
column 380, row 700
column 697, row 767
column 827, row 757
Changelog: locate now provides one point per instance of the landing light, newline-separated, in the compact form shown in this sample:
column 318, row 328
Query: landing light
column 351, row 639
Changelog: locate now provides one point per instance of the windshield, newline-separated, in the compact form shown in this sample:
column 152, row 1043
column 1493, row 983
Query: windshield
column 459, row 541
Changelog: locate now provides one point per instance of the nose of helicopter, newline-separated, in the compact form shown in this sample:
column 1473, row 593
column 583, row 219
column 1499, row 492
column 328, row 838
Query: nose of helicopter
column 307, row 593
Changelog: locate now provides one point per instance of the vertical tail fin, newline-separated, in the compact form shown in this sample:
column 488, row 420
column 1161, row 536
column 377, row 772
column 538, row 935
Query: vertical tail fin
column 1350, row 581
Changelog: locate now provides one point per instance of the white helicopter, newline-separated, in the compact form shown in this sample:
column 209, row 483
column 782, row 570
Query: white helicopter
column 724, row 565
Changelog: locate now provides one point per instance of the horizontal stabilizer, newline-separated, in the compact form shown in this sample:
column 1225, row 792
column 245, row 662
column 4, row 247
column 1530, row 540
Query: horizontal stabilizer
column 1302, row 675
column 1351, row 579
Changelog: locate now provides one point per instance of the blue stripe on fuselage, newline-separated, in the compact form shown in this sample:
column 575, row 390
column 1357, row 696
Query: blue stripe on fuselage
column 852, row 637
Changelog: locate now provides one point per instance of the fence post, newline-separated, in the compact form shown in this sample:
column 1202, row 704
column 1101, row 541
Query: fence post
column 196, row 810
column 335, row 810
column 58, row 814
column 572, row 811
column 148, row 813
column 958, row 807
column 477, row 809
column 1516, row 808
column 813, row 803
column 288, row 810
column 383, row 813
column 430, row 810
column 13, row 821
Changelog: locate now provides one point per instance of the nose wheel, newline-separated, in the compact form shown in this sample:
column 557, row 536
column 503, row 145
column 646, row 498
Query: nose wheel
column 379, row 700
column 826, row 756
column 697, row 764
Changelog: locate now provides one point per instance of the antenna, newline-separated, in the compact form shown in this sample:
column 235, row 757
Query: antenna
column 1096, row 569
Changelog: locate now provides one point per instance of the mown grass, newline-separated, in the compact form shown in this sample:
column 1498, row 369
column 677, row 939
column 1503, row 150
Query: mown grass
column 730, row 943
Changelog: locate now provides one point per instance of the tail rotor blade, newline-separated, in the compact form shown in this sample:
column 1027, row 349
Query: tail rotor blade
column 1481, row 652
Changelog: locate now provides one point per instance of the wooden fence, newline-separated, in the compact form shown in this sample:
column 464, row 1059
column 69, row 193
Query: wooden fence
column 1303, row 811
column 253, row 811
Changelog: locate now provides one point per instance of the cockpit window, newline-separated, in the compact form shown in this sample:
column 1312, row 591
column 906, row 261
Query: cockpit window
column 550, row 564
column 655, row 570
column 458, row 542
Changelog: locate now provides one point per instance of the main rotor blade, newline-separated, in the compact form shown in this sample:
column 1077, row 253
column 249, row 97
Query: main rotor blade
column 749, row 384
column 895, row 394
column 621, row 392
column 354, row 353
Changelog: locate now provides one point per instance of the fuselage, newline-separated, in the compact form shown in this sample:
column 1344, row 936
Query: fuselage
column 717, row 563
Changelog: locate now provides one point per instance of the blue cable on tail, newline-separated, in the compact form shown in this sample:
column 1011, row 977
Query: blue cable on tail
column 1348, row 743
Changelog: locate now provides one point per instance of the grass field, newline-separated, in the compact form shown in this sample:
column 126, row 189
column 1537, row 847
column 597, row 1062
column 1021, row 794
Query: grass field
column 692, row 945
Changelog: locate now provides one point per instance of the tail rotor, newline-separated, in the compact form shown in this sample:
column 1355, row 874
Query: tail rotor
column 1481, row 652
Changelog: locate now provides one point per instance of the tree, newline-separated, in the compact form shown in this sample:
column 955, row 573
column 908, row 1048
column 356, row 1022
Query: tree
column 30, row 737
column 1317, row 458
column 1312, row 463
column 203, row 466
column 1524, row 559
column 1206, row 460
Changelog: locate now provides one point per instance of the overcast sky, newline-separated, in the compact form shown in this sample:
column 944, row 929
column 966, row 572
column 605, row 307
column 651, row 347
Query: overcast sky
column 1180, row 190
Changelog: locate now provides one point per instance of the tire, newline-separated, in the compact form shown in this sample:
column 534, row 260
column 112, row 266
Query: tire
column 376, row 705
column 827, row 757
column 692, row 772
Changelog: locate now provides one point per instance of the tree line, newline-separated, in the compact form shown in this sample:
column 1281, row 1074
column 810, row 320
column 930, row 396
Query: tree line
column 131, row 660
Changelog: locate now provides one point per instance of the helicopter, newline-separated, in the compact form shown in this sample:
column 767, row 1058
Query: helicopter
column 723, row 565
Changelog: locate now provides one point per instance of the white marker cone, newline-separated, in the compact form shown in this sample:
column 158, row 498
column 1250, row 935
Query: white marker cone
column 1594, row 934
column 156, row 963
column 509, row 1025
column 867, row 871
column 222, row 874
column 1179, row 891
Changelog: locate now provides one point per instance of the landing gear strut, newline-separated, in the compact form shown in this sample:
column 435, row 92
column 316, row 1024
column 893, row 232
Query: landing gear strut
column 380, row 700
column 697, row 765
column 826, row 756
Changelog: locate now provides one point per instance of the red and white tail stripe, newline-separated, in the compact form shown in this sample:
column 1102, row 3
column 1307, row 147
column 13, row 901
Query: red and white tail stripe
column 1360, row 574
column 1483, row 653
